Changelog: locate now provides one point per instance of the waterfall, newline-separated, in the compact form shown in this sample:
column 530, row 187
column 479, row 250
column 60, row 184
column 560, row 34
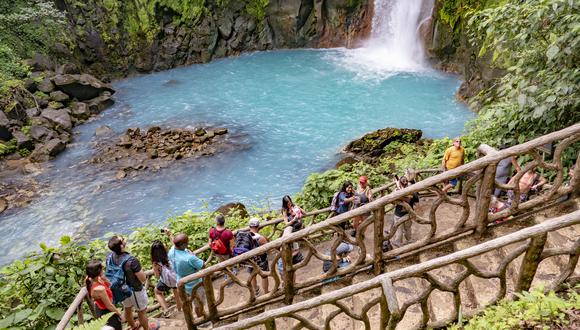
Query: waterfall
column 395, row 44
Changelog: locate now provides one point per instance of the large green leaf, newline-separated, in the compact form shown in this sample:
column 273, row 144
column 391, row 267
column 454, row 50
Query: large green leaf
column 55, row 313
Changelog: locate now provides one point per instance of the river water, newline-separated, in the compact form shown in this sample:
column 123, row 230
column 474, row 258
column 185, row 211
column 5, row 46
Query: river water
column 292, row 111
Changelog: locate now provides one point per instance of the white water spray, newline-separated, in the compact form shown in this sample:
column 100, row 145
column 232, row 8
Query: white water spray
column 395, row 44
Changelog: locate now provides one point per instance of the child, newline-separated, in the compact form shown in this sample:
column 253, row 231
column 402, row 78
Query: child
column 166, row 275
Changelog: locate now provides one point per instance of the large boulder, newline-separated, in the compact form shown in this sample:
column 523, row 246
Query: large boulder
column 373, row 144
column 59, row 96
column 100, row 103
column 58, row 117
column 23, row 141
column 80, row 110
column 54, row 146
column 39, row 133
column 45, row 85
column 81, row 86
column 233, row 207
column 5, row 133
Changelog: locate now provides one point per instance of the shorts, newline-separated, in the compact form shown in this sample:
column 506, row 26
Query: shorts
column 163, row 287
column 454, row 182
column 262, row 261
column 138, row 300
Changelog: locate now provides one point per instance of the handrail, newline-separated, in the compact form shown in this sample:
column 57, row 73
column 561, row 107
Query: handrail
column 385, row 280
column 481, row 172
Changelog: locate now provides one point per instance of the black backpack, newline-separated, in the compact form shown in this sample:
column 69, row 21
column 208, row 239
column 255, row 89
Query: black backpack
column 244, row 243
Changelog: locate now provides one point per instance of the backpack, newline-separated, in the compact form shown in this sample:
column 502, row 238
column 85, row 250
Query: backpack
column 244, row 243
column 217, row 245
column 168, row 277
column 116, row 275
column 334, row 203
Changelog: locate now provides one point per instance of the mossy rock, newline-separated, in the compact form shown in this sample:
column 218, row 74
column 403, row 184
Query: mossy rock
column 373, row 144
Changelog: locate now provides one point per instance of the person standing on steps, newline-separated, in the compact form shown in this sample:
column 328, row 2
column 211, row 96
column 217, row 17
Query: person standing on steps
column 186, row 263
column 221, row 239
column 504, row 170
column 99, row 289
column 167, row 279
column 403, row 233
column 345, row 201
column 364, row 196
column 262, row 260
column 292, row 215
column 454, row 157
column 130, row 285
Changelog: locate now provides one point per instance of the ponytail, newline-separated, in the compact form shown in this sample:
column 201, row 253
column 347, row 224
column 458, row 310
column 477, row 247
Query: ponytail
column 88, row 285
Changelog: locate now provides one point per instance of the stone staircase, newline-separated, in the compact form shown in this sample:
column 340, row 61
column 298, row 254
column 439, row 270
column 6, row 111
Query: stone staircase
column 475, row 291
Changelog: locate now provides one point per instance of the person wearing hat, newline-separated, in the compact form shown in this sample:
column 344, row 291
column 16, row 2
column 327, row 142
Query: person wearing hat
column 262, row 260
column 364, row 195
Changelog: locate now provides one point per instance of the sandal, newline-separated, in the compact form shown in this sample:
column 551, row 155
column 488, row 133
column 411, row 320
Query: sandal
column 137, row 326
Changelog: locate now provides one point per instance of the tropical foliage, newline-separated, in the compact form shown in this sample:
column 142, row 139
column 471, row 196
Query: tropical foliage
column 537, row 42
column 27, row 27
column 531, row 310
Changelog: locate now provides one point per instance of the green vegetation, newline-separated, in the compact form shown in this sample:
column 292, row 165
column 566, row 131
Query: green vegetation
column 257, row 9
column 531, row 310
column 537, row 42
column 27, row 27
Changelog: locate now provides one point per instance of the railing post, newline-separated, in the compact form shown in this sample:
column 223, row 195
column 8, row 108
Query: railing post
column 378, row 221
column 186, row 304
column 270, row 324
column 80, row 315
column 530, row 262
column 209, row 295
column 484, row 198
column 288, row 273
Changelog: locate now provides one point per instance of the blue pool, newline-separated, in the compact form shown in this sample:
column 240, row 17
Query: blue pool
column 292, row 111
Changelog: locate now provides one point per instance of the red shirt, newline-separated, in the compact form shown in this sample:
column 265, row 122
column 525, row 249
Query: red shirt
column 225, row 235
column 99, row 302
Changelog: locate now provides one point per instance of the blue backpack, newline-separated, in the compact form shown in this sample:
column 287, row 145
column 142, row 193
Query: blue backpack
column 116, row 275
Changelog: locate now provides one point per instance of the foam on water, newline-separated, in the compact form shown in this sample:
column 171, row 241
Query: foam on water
column 289, row 111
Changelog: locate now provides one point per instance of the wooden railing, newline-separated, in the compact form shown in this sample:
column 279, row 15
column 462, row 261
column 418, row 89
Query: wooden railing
column 470, row 216
column 380, row 292
column 276, row 228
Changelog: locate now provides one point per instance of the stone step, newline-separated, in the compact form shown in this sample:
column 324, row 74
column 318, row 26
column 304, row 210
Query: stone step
column 440, row 301
column 172, row 324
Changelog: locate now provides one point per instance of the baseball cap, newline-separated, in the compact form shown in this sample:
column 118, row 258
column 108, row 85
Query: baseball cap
column 363, row 178
column 254, row 222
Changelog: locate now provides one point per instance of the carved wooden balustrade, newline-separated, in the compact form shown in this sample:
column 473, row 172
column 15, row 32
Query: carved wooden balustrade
column 384, row 306
column 462, row 215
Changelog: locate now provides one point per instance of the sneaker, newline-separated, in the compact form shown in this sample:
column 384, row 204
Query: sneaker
column 166, row 314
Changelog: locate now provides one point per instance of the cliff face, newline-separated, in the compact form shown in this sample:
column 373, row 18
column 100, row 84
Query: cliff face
column 450, row 50
column 117, row 38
